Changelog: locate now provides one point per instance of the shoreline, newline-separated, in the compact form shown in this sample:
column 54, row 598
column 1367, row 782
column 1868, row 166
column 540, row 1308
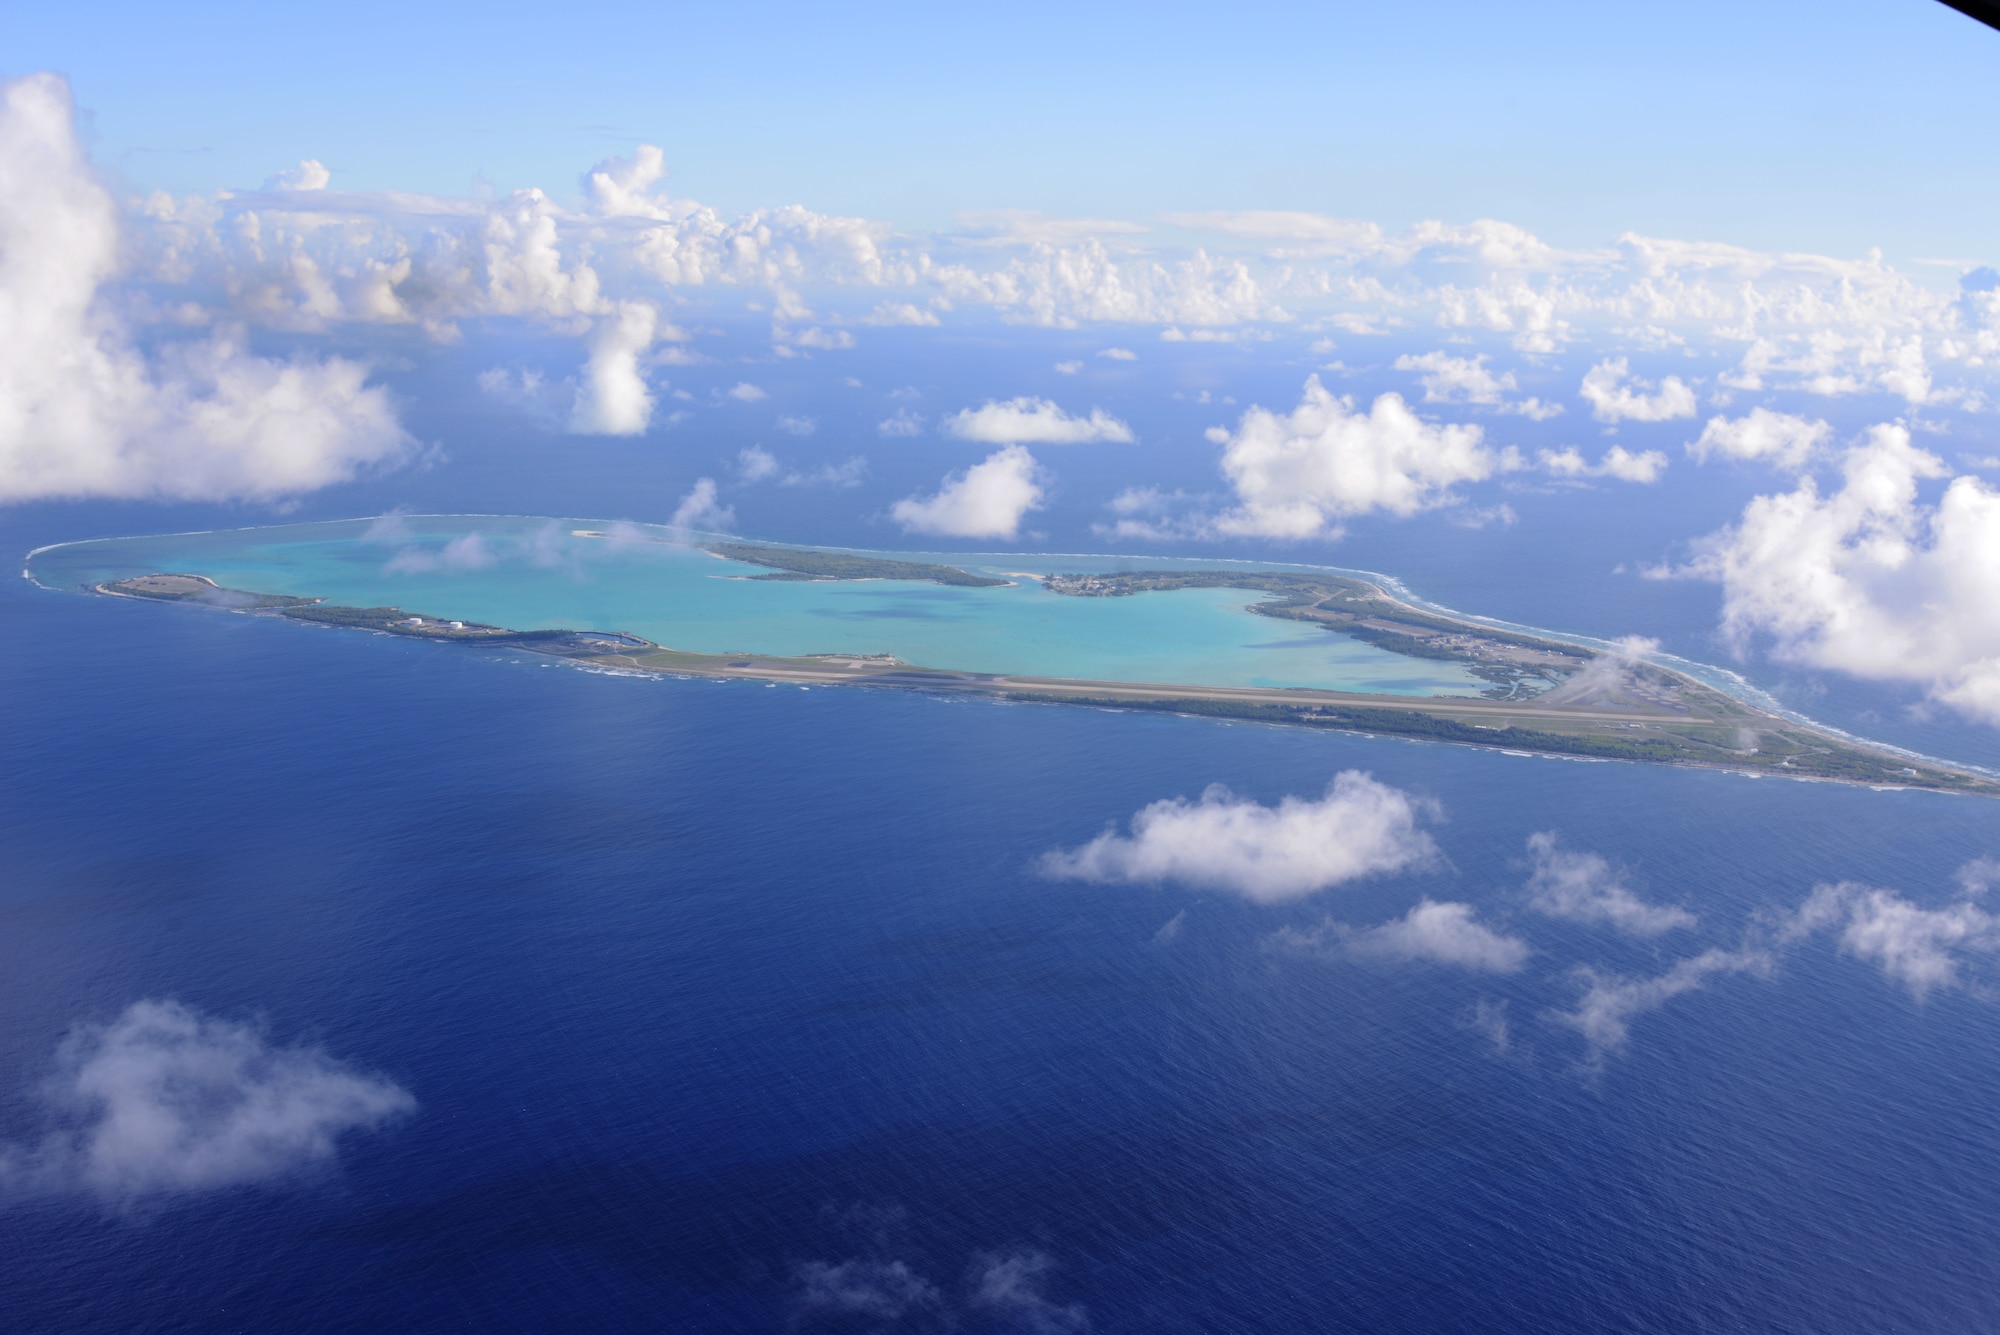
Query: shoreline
column 1608, row 708
column 1448, row 719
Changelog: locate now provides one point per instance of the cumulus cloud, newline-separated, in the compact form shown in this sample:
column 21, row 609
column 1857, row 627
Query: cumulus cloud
column 1918, row 947
column 84, row 413
column 1583, row 887
column 1357, row 828
column 699, row 510
column 1298, row 474
column 1869, row 580
column 165, row 1101
column 797, row 426
column 745, row 392
column 755, row 464
column 614, row 399
column 1119, row 354
column 304, row 258
column 1617, row 462
column 1448, row 379
column 1034, row 422
column 987, row 500
column 1433, row 932
column 1610, row 1002
column 1978, row 876
column 310, row 174
column 900, row 425
column 1613, row 400
column 1783, row 439
column 1068, row 368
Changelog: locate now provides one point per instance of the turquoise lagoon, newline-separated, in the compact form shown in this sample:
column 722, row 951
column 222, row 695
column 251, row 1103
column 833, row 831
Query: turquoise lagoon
column 536, row 573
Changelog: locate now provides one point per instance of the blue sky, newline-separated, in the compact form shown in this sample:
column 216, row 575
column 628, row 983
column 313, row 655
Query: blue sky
column 1825, row 127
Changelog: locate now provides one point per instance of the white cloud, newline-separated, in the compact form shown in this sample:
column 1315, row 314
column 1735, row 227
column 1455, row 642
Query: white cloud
column 1607, row 678
column 797, row 426
column 306, row 259
column 755, row 463
column 527, row 391
column 620, row 186
column 310, row 174
column 1068, row 368
column 165, row 1101
column 521, row 261
column 1151, row 515
column 467, row 552
column 303, row 259
column 825, row 340
column 1978, row 876
column 875, row 1291
column 1869, row 580
column 987, row 500
column 1119, row 354
column 1448, row 379
column 1583, row 887
column 904, row 313
column 1297, row 475
column 745, row 392
column 902, row 424
column 1785, row 440
column 699, row 511
column 1433, row 932
column 1065, row 283
column 1001, row 1291
column 1027, row 421
column 613, row 399
column 1359, row 827
column 1612, row 400
column 1610, row 1002
column 84, row 413
column 1918, row 947
column 1008, row 1287
column 1618, row 462
column 841, row 476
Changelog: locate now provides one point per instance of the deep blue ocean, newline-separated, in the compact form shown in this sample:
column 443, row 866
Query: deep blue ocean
column 703, row 990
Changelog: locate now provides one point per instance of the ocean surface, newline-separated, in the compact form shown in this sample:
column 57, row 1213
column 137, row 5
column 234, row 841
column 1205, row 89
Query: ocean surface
column 537, row 573
column 716, row 997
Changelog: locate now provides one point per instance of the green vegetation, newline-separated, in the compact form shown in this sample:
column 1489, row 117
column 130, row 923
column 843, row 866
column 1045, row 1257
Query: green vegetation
column 396, row 621
column 798, row 563
column 1797, row 753
column 199, row 589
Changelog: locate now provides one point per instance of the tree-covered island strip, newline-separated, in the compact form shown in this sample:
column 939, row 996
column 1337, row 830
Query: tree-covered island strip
column 1604, row 707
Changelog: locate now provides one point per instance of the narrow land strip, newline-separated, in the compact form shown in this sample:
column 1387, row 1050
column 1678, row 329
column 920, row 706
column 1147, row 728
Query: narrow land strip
column 1598, row 706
